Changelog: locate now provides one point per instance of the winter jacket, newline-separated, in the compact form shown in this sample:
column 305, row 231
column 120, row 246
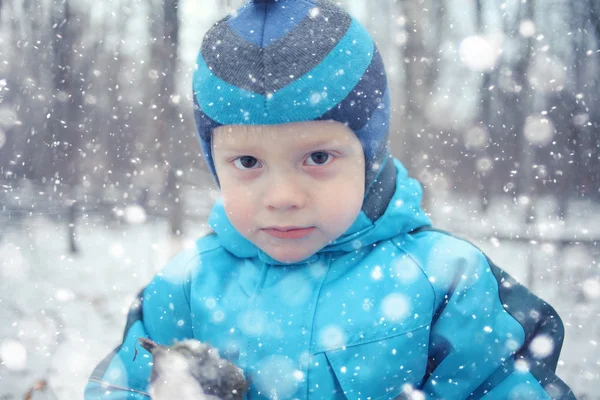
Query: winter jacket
column 389, row 308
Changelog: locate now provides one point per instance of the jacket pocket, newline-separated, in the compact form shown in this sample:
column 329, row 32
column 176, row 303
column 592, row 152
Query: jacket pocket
column 379, row 369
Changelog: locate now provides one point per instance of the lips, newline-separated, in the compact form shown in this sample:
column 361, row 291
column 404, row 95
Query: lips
column 288, row 232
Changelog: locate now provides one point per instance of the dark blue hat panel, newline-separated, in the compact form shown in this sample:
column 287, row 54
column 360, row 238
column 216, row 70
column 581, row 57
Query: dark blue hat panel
column 368, row 94
column 205, row 127
column 276, row 19
column 266, row 70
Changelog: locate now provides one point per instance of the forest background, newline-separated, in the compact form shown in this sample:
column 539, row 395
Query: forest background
column 496, row 111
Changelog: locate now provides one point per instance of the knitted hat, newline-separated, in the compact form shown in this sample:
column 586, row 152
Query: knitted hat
column 283, row 61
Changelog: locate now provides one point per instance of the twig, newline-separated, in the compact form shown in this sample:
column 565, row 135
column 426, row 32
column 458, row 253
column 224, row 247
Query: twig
column 39, row 385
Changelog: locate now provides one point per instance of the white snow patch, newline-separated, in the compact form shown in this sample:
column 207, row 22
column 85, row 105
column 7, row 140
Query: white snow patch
column 376, row 273
column 591, row 288
column 522, row 366
column 332, row 337
column 480, row 53
column 276, row 376
column 484, row 164
column 541, row 346
column 547, row 74
column 476, row 138
column 8, row 117
column 13, row 355
column 405, row 272
column 117, row 250
column 252, row 322
column 13, row 265
column 395, row 307
column 527, row 28
column 539, row 131
column 64, row 295
column 135, row 214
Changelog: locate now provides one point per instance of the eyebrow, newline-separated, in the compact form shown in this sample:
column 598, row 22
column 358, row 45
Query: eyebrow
column 238, row 149
column 320, row 143
column 246, row 147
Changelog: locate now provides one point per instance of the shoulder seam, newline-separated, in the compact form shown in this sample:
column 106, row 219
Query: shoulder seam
column 423, row 272
column 442, row 232
column 538, row 373
column 188, row 274
column 188, row 267
column 489, row 264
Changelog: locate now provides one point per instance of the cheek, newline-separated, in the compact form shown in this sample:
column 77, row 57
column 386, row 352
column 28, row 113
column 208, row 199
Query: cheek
column 342, row 203
column 238, row 205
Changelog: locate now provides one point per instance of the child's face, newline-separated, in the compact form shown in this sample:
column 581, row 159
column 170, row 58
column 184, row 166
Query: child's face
column 292, row 188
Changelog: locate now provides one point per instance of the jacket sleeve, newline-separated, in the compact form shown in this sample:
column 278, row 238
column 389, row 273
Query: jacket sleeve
column 161, row 312
column 490, row 337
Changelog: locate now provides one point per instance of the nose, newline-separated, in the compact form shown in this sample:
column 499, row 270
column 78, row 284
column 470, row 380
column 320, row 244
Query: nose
column 284, row 193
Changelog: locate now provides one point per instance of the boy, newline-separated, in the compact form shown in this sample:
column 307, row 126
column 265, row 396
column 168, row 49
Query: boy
column 321, row 279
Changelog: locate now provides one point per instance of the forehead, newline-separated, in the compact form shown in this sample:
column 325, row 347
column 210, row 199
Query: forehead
column 294, row 133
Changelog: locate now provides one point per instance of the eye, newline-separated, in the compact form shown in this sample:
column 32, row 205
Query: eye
column 246, row 162
column 319, row 158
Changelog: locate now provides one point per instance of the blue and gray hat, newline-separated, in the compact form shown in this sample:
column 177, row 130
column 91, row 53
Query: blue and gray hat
column 283, row 61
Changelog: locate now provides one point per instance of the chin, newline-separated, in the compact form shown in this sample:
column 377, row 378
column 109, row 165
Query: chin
column 288, row 257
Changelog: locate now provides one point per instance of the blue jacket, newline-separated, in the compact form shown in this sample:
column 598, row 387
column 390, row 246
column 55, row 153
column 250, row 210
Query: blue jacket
column 389, row 307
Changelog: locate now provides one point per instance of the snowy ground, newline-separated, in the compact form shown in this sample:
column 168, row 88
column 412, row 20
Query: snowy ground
column 61, row 314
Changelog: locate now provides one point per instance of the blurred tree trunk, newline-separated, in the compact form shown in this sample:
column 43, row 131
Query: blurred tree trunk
column 64, row 113
column 424, row 23
column 63, row 117
column 584, row 96
column 40, row 95
column 112, row 161
column 171, row 132
column 594, row 16
column 415, row 90
column 30, row 75
column 416, row 73
column 485, row 92
column 527, row 151
column 526, row 156
column 153, row 90
column 115, row 113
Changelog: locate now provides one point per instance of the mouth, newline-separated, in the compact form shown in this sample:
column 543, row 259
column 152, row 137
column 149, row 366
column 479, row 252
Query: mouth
column 288, row 232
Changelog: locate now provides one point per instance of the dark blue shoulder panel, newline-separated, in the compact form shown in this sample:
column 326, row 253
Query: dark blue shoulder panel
column 538, row 319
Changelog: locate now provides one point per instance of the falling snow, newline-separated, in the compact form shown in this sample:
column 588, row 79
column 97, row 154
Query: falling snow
column 332, row 337
column 539, row 131
column 395, row 307
column 541, row 346
column 13, row 355
column 495, row 110
column 479, row 53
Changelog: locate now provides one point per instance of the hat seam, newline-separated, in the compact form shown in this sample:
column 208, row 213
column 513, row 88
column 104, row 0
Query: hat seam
column 262, row 62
